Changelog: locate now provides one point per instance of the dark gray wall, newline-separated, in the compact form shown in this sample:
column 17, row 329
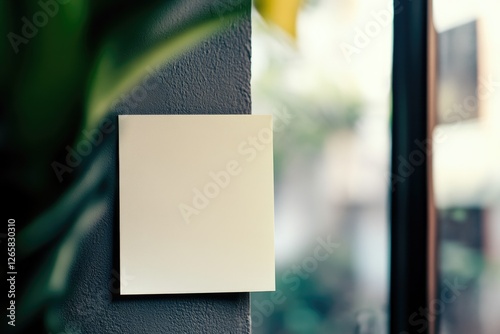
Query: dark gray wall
column 213, row 79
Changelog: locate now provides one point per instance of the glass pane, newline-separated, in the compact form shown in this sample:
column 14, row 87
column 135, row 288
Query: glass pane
column 329, row 92
column 467, row 165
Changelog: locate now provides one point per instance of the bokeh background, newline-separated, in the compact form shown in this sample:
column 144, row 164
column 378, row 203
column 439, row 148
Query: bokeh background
column 333, row 81
column 332, row 92
column 323, row 69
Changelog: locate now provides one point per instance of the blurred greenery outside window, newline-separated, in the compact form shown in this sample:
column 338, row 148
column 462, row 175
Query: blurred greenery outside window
column 328, row 86
column 331, row 85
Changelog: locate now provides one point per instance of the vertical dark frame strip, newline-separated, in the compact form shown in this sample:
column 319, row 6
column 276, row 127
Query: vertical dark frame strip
column 432, row 228
column 412, row 284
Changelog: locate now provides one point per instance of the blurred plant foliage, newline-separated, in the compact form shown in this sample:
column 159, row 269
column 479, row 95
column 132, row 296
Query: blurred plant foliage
column 282, row 13
column 313, row 103
column 312, row 107
column 64, row 65
column 63, row 72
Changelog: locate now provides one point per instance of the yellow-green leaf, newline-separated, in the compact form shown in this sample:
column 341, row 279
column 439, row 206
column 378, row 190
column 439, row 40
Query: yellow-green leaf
column 282, row 13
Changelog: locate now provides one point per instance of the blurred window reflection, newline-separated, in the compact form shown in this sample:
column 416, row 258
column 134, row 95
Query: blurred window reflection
column 467, row 163
column 329, row 91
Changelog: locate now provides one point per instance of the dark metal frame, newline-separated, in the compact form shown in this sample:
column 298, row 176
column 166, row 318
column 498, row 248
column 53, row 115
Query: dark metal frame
column 413, row 238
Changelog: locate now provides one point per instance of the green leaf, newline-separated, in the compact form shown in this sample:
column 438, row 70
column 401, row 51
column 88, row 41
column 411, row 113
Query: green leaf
column 114, row 76
column 50, row 282
column 44, row 90
column 60, row 216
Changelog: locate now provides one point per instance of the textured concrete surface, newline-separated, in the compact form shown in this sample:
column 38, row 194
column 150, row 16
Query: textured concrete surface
column 212, row 79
